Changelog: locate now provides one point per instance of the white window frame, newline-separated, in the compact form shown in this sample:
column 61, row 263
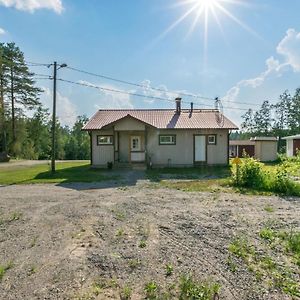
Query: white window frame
column 214, row 142
column 172, row 139
column 108, row 140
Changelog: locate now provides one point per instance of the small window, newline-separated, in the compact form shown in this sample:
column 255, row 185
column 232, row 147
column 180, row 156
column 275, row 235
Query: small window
column 212, row 139
column 167, row 139
column 105, row 140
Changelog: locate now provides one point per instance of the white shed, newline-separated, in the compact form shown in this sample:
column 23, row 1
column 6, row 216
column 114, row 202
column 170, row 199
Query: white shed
column 265, row 148
column 292, row 145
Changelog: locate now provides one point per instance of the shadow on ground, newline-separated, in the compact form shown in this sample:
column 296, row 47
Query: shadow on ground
column 196, row 173
column 118, row 178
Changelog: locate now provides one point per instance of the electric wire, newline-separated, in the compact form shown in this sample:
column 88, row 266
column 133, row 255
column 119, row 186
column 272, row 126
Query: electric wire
column 154, row 88
column 139, row 95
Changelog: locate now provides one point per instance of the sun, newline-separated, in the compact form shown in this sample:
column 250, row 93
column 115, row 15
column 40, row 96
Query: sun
column 204, row 12
column 206, row 4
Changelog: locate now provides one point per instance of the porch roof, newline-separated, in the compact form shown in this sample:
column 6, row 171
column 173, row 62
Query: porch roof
column 161, row 118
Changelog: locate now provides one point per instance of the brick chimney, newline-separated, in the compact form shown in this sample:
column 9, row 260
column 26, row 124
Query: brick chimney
column 178, row 105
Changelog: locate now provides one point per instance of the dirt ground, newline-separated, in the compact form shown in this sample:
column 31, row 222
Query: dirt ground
column 59, row 240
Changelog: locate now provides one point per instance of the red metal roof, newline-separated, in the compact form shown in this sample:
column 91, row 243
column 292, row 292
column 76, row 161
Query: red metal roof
column 161, row 118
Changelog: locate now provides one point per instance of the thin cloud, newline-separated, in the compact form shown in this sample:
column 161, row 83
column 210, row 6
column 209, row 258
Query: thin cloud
column 66, row 110
column 2, row 31
column 33, row 5
column 289, row 48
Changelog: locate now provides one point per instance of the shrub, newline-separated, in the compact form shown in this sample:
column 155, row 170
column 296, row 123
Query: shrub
column 249, row 174
column 282, row 182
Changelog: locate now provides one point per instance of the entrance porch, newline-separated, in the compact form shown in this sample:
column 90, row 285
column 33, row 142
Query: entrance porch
column 130, row 147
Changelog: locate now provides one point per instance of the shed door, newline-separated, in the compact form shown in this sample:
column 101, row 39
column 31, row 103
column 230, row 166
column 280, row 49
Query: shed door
column 200, row 148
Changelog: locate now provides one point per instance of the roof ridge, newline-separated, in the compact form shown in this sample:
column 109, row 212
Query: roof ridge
column 161, row 109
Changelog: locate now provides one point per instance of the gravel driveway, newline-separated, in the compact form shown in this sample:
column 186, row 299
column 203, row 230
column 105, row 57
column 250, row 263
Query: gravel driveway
column 57, row 241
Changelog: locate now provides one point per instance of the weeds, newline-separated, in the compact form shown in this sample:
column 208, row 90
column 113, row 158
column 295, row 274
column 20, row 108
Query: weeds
column 142, row 244
column 32, row 270
column 169, row 269
column 4, row 269
column 231, row 264
column 267, row 234
column 119, row 215
column 15, row 216
column 264, row 267
column 33, row 242
column 120, row 232
column 241, row 248
column 269, row 208
column 134, row 263
column 151, row 290
column 190, row 289
column 250, row 174
column 125, row 293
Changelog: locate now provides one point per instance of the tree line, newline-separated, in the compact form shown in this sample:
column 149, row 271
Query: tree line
column 279, row 119
column 27, row 137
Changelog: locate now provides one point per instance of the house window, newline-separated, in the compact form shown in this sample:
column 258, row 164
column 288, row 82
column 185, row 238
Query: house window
column 212, row 139
column 105, row 140
column 167, row 139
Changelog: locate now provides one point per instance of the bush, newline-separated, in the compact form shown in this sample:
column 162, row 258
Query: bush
column 282, row 182
column 249, row 174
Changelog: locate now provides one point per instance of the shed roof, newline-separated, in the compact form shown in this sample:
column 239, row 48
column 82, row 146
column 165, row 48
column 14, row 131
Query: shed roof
column 292, row 137
column 241, row 143
column 161, row 118
column 265, row 138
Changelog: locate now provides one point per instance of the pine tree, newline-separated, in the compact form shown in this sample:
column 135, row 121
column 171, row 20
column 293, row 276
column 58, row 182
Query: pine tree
column 248, row 125
column 263, row 119
column 294, row 120
column 20, row 91
column 3, row 83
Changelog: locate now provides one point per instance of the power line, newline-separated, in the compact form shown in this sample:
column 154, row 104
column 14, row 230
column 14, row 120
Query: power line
column 137, row 94
column 147, row 87
column 153, row 88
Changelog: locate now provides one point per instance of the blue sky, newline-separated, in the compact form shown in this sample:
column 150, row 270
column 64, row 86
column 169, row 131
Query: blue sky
column 249, row 63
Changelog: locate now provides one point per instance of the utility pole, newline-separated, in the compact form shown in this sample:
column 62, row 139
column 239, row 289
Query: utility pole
column 54, row 114
column 53, row 118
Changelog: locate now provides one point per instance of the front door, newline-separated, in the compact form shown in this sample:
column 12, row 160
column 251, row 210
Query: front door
column 200, row 148
column 136, row 153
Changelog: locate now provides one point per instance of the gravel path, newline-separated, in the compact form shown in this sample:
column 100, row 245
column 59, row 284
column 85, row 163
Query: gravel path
column 60, row 240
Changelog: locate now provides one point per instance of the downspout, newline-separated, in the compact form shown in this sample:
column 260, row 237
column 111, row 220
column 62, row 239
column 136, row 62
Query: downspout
column 228, row 135
column 146, row 145
column 91, row 147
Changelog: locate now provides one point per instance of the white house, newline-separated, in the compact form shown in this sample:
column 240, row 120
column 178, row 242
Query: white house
column 159, row 137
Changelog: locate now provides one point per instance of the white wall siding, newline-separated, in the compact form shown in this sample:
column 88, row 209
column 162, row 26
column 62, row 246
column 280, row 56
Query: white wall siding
column 128, row 124
column 182, row 154
column 289, row 147
column 102, row 153
column 266, row 150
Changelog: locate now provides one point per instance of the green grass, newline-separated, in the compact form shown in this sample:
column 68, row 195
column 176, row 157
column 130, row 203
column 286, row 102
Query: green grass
column 65, row 172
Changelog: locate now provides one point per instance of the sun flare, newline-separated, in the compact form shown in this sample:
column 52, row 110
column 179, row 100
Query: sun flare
column 207, row 12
